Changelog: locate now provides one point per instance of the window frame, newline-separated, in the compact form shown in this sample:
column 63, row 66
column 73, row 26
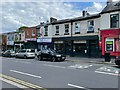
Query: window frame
column 90, row 25
column 115, row 21
column 76, row 31
column 46, row 31
column 57, row 30
column 66, row 29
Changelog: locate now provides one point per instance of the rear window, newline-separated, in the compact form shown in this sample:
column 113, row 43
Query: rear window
column 31, row 51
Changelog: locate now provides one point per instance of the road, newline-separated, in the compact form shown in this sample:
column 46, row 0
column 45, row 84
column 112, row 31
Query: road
column 62, row 75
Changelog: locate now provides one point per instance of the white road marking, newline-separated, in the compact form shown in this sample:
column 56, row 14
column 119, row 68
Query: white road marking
column 54, row 66
column 77, row 66
column 108, row 73
column 22, row 62
column 12, row 83
column 26, row 74
column 76, row 86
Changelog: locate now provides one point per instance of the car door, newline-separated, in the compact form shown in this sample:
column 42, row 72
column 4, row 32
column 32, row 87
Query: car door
column 47, row 54
column 23, row 53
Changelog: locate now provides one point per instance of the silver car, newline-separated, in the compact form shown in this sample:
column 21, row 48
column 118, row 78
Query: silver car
column 26, row 53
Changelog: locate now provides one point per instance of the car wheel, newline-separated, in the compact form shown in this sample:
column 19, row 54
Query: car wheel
column 39, row 58
column 25, row 56
column 53, row 59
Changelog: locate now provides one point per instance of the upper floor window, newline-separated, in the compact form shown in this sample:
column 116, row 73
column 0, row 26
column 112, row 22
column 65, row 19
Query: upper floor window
column 46, row 31
column 114, row 21
column 33, row 32
column 90, row 26
column 77, row 28
column 19, row 36
column 27, row 33
column 66, row 29
column 57, row 30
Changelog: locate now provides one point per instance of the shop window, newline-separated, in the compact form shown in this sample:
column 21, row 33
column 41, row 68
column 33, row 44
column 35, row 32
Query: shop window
column 79, row 47
column 109, row 45
column 77, row 28
column 114, row 21
column 59, row 47
column 66, row 29
column 90, row 26
column 57, row 30
column 46, row 31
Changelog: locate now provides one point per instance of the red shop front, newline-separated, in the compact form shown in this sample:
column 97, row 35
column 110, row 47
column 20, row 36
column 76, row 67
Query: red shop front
column 110, row 41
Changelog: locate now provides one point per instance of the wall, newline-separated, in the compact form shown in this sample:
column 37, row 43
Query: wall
column 105, row 20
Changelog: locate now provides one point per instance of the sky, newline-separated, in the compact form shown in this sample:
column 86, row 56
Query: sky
column 31, row 13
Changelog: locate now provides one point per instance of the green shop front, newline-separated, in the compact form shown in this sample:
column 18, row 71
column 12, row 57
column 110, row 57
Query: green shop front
column 80, row 46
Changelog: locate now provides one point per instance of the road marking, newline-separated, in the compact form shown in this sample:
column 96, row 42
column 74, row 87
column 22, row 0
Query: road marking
column 76, row 86
column 28, row 85
column 79, row 66
column 108, row 73
column 26, row 74
column 53, row 66
column 13, row 83
column 22, row 62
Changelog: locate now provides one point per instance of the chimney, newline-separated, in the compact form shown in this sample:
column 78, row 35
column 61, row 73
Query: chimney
column 109, row 2
column 85, row 13
column 52, row 19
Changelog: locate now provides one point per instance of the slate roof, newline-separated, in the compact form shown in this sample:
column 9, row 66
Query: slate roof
column 77, row 19
column 111, row 7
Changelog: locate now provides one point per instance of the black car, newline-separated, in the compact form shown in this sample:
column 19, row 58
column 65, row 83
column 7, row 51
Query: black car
column 8, row 53
column 117, row 60
column 50, row 54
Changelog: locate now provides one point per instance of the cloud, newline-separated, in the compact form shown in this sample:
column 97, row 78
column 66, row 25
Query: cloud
column 16, row 14
column 96, row 7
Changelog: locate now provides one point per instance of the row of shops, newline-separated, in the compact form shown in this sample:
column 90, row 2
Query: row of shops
column 81, row 46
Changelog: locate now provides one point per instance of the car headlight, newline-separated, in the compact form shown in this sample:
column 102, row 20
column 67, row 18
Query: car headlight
column 58, row 55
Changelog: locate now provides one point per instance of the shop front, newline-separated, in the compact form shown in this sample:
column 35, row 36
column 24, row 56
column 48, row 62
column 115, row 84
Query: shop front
column 44, row 43
column 110, row 42
column 80, row 46
column 30, row 43
column 18, row 45
column 10, row 45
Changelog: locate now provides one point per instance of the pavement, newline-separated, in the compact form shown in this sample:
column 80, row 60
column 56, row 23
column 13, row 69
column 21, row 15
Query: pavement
column 90, row 60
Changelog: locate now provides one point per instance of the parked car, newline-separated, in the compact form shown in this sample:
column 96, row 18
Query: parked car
column 8, row 53
column 26, row 53
column 50, row 54
column 117, row 60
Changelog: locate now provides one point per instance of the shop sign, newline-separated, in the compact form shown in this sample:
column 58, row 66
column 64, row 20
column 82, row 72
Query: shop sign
column 58, row 42
column 82, row 41
column 19, row 44
column 10, row 42
column 42, row 40
column 30, row 39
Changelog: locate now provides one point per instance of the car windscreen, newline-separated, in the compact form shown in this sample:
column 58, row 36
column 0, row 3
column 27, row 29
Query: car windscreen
column 53, row 51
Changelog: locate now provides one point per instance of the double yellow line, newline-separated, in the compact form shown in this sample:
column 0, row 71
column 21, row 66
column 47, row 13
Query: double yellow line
column 28, row 85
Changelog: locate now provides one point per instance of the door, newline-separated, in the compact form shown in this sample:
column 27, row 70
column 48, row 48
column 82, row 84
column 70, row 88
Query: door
column 92, row 49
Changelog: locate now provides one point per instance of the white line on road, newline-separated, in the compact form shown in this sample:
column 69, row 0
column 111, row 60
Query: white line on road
column 13, row 83
column 76, row 86
column 53, row 66
column 25, row 74
column 22, row 62
column 108, row 73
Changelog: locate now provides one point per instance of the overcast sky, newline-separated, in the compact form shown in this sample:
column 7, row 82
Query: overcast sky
column 17, row 14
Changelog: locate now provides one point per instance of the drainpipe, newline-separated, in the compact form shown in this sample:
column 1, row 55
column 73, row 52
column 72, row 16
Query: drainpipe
column 71, row 39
